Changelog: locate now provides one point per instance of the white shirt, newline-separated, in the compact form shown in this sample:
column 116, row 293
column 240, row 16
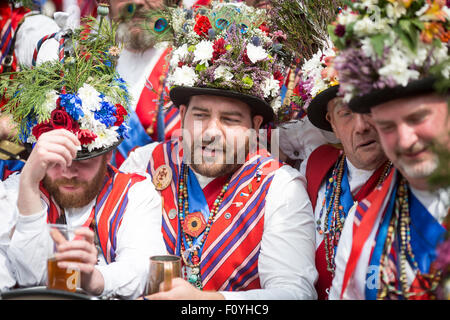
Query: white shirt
column 286, row 260
column 135, row 68
column 435, row 202
column 7, row 224
column 138, row 237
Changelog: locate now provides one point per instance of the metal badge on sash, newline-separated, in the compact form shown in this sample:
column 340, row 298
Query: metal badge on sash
column 162, row 177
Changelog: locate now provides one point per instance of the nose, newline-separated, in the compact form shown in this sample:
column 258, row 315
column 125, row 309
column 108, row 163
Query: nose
column 406, row 137
column 213, row 130
column 362, row 123
column 70, row 171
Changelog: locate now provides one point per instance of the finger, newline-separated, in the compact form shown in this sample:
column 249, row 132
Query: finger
column 82, row 267
column 76, row 256
column 59, row 140
column 61, row 150
column 86, row 233
column 62, row 133
column 57, row 236
column 76, row 245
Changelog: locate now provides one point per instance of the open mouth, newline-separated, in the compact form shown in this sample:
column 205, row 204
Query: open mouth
column 366, row 144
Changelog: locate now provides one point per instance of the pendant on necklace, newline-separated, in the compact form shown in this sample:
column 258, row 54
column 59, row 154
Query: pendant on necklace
column 194, row 224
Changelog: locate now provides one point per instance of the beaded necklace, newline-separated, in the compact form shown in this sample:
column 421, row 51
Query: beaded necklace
column 400, row 226
column 191, row 256
column 335, row 214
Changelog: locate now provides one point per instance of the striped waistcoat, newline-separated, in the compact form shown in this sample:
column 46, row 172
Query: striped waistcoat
column 108, row 211
column 229, row 260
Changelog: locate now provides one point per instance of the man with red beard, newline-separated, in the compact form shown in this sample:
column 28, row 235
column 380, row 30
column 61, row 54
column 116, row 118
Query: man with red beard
column 68, row 180
column 240, row 219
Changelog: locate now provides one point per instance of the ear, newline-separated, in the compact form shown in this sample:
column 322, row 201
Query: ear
column 108, row 156
column 183, row 110
column 257, row 121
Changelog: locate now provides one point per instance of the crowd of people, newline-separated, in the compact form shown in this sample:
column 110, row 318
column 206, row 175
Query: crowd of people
column 191, row 128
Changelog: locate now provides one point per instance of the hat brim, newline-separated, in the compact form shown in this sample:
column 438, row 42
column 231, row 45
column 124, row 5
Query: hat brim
column 181, row 95
column 85, row 154
column 365, row 103
column 318, row 108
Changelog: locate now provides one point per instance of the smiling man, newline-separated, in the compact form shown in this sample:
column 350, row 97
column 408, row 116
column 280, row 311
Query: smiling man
column 239, row 218
column 391, row 253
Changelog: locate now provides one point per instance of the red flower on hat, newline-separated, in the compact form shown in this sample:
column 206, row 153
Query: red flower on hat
column 202, row 26
column 86, row 136
column 264, row 28
column 120, row 113
column 245, row 58
column 41, row 128
column 279, row 76
column 219, row 48
column 60, row 119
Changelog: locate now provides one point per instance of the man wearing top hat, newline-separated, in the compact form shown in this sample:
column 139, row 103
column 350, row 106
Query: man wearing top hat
column 67, row 178
column 336, row 177
column 392, row 252
column 240, row 220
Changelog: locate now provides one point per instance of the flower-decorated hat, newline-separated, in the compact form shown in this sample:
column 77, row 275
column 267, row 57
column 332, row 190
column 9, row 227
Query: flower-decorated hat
column 305, row 24
column 80, row 91
column 391, row 49
column 226, row 50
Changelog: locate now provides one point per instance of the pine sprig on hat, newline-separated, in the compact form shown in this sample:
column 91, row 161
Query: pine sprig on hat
column 84, row 87
column 305, row 22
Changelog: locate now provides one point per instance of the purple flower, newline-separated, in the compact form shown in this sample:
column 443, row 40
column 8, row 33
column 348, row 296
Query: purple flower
column 339, row 30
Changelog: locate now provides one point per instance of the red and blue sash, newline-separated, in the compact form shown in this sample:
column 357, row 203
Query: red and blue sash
column 229, row 259
column 11, row 19
column 426, row 234
column 108, row 210
column 7, row 167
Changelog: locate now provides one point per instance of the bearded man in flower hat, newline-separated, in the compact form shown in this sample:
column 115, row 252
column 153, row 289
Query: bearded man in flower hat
column 240, row 220
column 393, row 73
column 68, row 180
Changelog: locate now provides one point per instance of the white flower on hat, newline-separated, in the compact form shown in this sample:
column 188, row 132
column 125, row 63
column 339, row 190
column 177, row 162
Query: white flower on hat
column 223, row 72
column 184, row 76
column 179, row 54
column 203, row 52
column 396, row 67
column 270, row 87
column 256, row 53
column 105, row 137
column 276, row 104
column 50, row 101
column 90, row 98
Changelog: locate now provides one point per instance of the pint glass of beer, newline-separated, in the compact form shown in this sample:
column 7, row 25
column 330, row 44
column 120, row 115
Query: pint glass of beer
column 67, row 279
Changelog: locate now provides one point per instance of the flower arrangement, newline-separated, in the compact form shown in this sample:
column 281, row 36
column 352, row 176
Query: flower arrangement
column 387, row 43
column 81, row 92
column 229, row 46
column 316, row 75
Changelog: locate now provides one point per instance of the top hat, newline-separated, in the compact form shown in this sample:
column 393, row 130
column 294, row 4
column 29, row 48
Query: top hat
column 390, row 50
column 79, row 91
column 226, row 50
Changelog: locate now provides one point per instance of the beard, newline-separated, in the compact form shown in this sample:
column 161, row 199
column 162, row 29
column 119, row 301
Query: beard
column 421, row 168
column 90, row 189
column 134, row 37
column 224, row 159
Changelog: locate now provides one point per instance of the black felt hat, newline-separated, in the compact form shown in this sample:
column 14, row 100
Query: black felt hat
column 365, row 103
column 84, row 153
column 318, row 108
column 181, row 95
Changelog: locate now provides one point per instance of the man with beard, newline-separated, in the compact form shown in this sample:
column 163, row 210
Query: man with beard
column 240, row 219
column 391, row 253
column 144, row 68
column 68, row 180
